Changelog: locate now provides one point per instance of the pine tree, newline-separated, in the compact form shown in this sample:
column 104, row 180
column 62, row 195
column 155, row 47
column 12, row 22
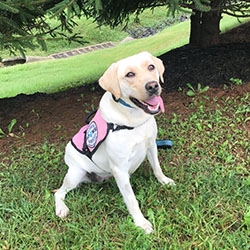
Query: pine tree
column 24, row 23
column 17, row 21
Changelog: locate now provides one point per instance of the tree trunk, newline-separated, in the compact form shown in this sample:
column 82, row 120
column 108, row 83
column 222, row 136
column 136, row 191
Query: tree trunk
column 195, row 29
column 210, row 29
column 205, row 28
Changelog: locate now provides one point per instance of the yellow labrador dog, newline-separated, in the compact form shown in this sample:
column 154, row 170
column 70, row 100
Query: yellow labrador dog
column 127, row 112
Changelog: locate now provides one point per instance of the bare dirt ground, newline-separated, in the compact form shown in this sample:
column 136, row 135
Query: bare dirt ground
column 57, row 117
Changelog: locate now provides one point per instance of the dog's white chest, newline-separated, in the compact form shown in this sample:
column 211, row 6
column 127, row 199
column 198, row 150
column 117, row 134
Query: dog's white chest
column 126, row 149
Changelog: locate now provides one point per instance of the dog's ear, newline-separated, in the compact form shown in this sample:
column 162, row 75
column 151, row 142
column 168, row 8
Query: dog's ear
column 109, row 81
column 160, row 67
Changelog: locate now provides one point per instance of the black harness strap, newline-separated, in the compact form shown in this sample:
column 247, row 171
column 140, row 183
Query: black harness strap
column 87, row 119
column 113, row 127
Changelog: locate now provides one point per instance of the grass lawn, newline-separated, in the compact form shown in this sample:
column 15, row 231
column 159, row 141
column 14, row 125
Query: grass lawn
column 207, row 209
column 56, row 75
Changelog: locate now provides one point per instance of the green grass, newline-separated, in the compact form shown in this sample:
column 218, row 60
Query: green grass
column 56, row 75
column 209, row 161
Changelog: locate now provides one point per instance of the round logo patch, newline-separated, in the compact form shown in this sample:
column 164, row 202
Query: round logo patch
column 92, row 135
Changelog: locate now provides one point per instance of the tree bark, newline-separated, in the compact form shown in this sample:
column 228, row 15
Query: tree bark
column 205, row 28
column 210, row 29
column 195, row 28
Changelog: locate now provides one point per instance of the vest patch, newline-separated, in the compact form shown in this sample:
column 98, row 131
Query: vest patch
column 90, row 136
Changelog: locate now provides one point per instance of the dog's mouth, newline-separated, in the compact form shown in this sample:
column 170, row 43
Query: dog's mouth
column 151, row 106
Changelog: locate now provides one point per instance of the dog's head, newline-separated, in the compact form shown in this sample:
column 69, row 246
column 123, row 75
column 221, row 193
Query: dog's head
column 136, row 79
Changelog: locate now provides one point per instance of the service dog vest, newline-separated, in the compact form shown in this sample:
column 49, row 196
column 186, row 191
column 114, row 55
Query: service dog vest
column 90, row 136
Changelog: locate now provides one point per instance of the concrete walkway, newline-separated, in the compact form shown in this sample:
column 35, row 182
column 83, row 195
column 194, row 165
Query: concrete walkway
column 74, row 52
column 83, row 50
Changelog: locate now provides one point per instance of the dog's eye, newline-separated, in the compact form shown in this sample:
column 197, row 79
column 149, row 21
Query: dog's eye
column 130, row 74
column 151, row 67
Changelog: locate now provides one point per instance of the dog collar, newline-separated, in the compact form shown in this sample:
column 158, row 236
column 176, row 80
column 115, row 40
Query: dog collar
column 122, row 102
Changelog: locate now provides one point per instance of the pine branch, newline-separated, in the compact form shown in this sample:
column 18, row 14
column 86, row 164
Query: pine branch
column 8, row 7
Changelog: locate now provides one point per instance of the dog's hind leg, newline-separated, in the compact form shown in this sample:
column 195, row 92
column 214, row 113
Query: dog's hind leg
column 72, row 179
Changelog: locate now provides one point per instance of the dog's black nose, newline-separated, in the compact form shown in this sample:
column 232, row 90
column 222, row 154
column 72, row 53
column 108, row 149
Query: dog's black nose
column 152, row 87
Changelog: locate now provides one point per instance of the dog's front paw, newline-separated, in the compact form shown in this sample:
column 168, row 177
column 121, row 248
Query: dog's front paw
column 145, row 225
column 62, row 210
column 164, row 180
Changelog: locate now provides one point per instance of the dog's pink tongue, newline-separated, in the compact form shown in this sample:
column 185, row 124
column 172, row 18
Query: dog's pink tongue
column 156, row 100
